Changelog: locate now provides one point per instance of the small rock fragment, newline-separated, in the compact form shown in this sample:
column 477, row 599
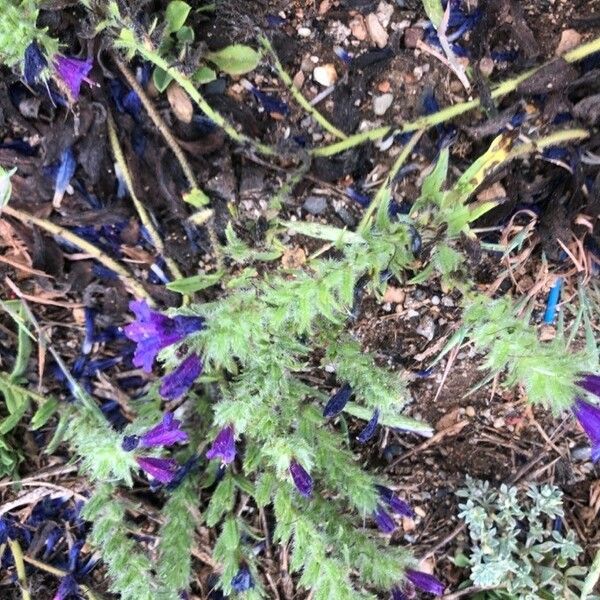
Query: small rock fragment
column 382, row 103
column 426, row 328
column 180, row 103
column 499, row 423
column 486, row 66
column 384, row 87
column 298, row 80
column 384, row 13
column 338, row 32
column 376, row 31
column 304, row 32
column 324, row 6
column 394, row 294
column 470, row 412
column 569, row 39
column 315, row 205
column 326, row 75
column 293, row 258
column 412, row 37
column 358, row 28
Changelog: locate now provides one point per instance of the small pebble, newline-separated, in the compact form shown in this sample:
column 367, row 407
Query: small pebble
column 326, row 75
column 435, row 300
column 499, row 423
column 447, row 301
column 304, row 32
column 569, row 39
column 358, row 28
column 384, row 13
column 426, row 328
column 315, row 205
column 470, row 411
column 412, row 37
column 376, row 31
column 486, row 66
column 382, row 103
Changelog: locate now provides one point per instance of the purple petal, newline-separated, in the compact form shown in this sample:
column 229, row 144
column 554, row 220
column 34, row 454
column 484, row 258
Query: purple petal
column 398, row 594
column 590, row 383
column 165, row 433
column 178, row 382
column 153, row 331
column 162, row 469
column 34, row 63
column 68, row 587
column 384, row 521
column 588, row 416
column 397, row 505
column 223, row 446
column 370, row 428
column 425, row 582
column 72, row 72
column 64, row 174
column 337, row 402
column 302, row 480
column 242, row 581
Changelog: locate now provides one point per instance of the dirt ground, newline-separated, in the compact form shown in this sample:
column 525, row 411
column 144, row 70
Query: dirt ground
column 487, row 433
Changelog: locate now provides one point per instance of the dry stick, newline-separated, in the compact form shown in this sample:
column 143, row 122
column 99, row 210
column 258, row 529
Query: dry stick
column 155, row 58
column 450, row 112
column 175, row 148
column 157, row 120
column 297, row 94
column 59, row 573
column 139, row 206
column 17, row 553
column 134, row 287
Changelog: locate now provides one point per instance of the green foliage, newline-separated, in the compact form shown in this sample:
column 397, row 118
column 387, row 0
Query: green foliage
column 515, row 549
column 434, row 11
column 18, row 29
column 129, row 569
column 5, row 185
column 174, row 569
column 547, row 370
column 235, row 60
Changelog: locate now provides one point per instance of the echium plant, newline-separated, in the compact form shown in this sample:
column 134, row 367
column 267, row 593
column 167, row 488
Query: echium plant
column 517, row 548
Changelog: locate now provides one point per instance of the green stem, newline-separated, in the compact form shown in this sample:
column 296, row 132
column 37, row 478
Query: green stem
column 151, row 55
column 365, row 222
column 297, row 94
column 139, row 206
column 559, row 137
column 17, row 553
column 134, row 287
column 450, row 112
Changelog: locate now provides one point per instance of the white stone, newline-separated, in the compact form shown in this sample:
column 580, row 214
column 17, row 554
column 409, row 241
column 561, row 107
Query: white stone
column 325, row 75
column 382, row 103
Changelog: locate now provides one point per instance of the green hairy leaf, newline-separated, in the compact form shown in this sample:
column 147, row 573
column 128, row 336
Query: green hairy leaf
column 235, row 60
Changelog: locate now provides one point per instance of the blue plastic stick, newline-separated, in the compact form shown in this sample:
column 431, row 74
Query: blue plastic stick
column 553, row 298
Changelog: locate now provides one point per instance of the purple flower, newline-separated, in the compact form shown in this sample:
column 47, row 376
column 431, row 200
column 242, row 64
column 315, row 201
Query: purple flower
column 178, row 382
column 33, row 64
column 398, row 594
column 223, row 446
column 68, row 587
column 242, row 581
column 71, row 73
column 335, row 404
column 153, row 331
column 396, row 505
column 425, row 582
column 166, row 433
column 384, row 521
column 370, row 428
column 588, row 416
column 64, row 174
column 302, row 480
column 590, row 383
column 162, row 469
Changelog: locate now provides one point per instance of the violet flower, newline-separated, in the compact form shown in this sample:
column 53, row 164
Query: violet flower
column 162, row 469
column 335, row 405
column 223, row 446
column 396, row 504
column 398, row 594
column 370, row 428
column 178, row 382
column 242, row 580
column 68, row 588
column 64, row 174
column 71, row 73
column 385, row 522
column 302, row 480
column 34, row 63
column 590, row 383
column 166, row 433
column 153, row 331
column 588, row 416
column 425, row 582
